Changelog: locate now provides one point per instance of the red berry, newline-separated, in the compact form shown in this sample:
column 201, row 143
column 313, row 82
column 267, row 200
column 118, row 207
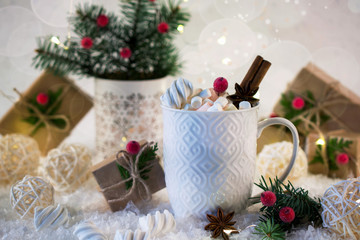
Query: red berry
column 42, row 98
column 151, row 0
column 86, row 42
column 342, row 158
column 272, row 115
column 268, row 198
column 125, row 53
column 102, row 20
column 298, row 103
column 220, row 85
column 287, row 214
column 133, row 147
column 163, row 27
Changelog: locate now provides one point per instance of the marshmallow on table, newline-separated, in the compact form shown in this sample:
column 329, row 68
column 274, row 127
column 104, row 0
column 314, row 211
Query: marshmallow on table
column 244, row 105
column 196, row 102
column 215, row 108
column 204, row 107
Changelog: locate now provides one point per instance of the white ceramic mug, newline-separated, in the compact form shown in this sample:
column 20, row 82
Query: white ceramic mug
column 209, row 158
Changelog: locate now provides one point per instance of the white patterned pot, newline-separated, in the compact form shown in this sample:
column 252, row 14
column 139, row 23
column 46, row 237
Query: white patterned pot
column 127, row 110
column 210, row 158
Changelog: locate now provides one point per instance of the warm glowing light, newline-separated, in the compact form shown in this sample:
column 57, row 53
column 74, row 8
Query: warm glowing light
column 55, row 40
column 123, row 139
column 222, row 40
column 180, row 28
column 226, row 61
column 320, row 141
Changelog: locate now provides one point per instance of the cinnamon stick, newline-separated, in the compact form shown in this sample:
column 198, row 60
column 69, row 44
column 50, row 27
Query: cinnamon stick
column 255, row 75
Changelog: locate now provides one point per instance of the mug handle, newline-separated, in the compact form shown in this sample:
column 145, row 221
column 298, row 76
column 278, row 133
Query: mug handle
column 295, row 136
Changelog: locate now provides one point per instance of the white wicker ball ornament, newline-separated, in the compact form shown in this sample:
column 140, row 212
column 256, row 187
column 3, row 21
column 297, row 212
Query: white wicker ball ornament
column 67, row 167
column 341, row 208
column 30, row 192
column 274, row 158
column 19, row 156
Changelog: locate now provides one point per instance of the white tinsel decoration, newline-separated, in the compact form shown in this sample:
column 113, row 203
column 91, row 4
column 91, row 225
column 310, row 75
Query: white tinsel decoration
column 88, row 231
column 51, row 216
column 67, row 167
column 274, row 158
column 341, row 208
column 29, row 193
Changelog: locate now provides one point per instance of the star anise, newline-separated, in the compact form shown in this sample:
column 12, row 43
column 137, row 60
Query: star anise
column 221, row 224
column 243, row 95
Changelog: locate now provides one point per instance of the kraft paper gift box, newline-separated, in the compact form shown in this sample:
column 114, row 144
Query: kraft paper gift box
column 351, row 169
column 331, row 98
column 73, row 105
column 108, row 176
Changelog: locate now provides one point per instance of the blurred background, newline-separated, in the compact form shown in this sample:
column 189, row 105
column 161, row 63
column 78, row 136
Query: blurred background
column 221, row 39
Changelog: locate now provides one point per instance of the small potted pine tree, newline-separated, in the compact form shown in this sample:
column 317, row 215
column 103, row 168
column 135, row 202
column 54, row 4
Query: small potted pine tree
column 129, row 55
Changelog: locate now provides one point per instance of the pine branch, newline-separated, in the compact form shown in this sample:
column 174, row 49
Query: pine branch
column 306, row 208
column 268, row 230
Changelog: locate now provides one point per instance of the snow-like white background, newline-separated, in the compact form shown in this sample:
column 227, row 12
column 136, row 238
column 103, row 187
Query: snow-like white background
column 221, row 39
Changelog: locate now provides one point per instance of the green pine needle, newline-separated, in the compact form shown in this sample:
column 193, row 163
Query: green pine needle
column 268, row 230
column 148, row 155
column 153, row 54
column 307, row 209
column 334, row 146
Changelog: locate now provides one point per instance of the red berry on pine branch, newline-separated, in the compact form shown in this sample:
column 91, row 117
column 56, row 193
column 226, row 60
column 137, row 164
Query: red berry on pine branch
column 86, row 42
column 163, row 27
column 133, row 147
column 42, row 98
column 273, row 115
column 102, row 20
column 287, row 214
column 125, row 53
column 220, row 85
column 268, row 198
column 342, row 158
column 298, row 103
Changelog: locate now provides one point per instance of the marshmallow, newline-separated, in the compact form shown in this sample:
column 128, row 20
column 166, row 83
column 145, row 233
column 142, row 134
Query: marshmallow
column 222, row 101
column 209, row 101
column 176, row 96
column 187, row 107
column 214, row 95
column 230, row 107
column 196, row 102
column 215, row 108
column 205, row 93
column 244, row 105
column 204, row 107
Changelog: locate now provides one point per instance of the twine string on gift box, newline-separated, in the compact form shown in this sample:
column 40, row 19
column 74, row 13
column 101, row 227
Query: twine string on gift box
column 135, row 175
column 45, row 118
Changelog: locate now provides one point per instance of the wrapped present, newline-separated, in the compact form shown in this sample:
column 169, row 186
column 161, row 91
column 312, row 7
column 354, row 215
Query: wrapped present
column 48, row 110
column 124, row 177
column 316, row 101
column 336, row 155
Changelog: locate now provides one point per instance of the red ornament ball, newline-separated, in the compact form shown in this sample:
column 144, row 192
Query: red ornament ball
column 163, row 27
column 133, row 147
column 220, row 85
column 125, row 53
column 342, row 158
column 273, row 115
column 287, row 214
column 298, row 103
column 42, row 98
column 102, row 20
column 268, row 198
column 86, row 42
